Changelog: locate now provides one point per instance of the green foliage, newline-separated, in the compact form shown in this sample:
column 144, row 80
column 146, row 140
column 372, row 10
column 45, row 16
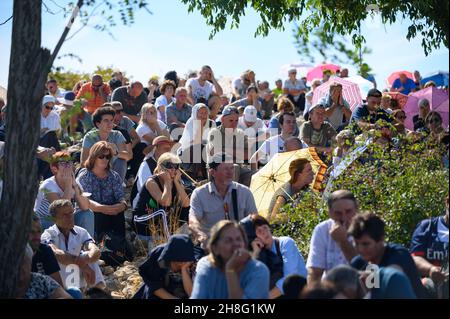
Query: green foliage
column 331, row 47
column 403, row 185
column 429, row 18
column 68, row 79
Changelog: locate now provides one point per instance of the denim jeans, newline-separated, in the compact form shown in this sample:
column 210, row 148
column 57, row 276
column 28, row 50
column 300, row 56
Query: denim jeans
column 85, row 219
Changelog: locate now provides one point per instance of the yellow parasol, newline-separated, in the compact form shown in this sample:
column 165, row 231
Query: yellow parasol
column 275, row 173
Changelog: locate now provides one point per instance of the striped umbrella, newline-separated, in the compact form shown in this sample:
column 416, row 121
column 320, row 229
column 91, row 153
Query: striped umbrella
column 350, row 92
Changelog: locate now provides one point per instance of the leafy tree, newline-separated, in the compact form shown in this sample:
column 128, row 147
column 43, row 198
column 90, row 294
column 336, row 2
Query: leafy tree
column 331, row 47
column 403, row 186
column 429, row 18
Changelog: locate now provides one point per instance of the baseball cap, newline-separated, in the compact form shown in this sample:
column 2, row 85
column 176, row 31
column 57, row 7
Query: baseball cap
column 250, row 114
column 230, row 110
column 68, row 98
column 161, row 140
column 47, row 99
column 218, row 159
column 374, row 93
column 317, row 105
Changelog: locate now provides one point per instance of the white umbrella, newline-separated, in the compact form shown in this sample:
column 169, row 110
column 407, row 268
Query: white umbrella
column 302, row 69
column 364, row 84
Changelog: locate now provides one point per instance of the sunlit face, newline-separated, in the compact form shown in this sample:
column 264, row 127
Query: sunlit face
column 279, row 84
column 400, row 117
column 64, row 218
column 136, row 91
column 47, row 108
column 106, row 124
column 403, row 78
column 230, row 240
column 223, row 174
column 102, row 160
column 169, row 91
column 205, row 74
column 318, row 115
column 385, row 103
column 343, row 211
column 289, row 123
column 230, row 121
column 52, row 87
column 202, row 114
column 181, row 97
column 118, row 116
column 306, row 176
column 264, row 234
column 369, row 249
column 151, row 114
column 97, row 82
column 34, row 239
column 292, row 75
column 373, row 102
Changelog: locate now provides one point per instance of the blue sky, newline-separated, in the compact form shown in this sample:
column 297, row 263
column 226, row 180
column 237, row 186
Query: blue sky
column 172, row 39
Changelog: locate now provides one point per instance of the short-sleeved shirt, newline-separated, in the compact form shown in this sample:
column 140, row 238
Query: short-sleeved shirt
column 93, row 136
column 337, row 118
column 210, row 282
column 182, row 114
column 44, row 261
column 42, row 204
column 270, row 147
column 52, row 122
column 318, row 138
column 200, row 91
column 127, row 124
column 143, row 130
column 106, row 191
column 256, row 129
column 131, row 105
column 396, row 255
column 430, row 240
column 93, row 98
column 284, row 191
column 297, row 85
column 324, row 252
column 208, row 206
column 41, row 287
column 361, row 113
column 407, row 87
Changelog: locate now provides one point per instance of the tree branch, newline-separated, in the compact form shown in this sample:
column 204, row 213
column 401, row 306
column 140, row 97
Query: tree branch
column 6, row 20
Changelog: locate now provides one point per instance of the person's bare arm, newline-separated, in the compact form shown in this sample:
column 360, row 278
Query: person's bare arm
column 278, row 204
column 93, row 253
column 84, row 156
column 60, row 293
column 123, row 153
column 426, row 269
column 274, row 293
column 135, row 140
column 164, row 198
column 57, row 277
column 186, row 278
column 314, row 275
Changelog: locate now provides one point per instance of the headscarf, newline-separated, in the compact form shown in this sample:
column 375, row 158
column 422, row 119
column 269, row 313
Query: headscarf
column 193, row 126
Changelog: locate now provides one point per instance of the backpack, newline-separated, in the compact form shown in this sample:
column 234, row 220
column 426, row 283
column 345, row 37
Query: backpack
column 273, row 261
column 115, row 249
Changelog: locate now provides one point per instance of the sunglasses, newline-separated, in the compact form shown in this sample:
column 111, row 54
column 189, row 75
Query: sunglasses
column 171, row 165
column 103, row 156
column 49, row 107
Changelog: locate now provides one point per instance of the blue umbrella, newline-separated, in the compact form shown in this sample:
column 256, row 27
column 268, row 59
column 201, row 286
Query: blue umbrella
column 440, row 78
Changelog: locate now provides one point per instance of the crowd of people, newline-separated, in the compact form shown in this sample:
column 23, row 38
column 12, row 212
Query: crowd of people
column 185, row 154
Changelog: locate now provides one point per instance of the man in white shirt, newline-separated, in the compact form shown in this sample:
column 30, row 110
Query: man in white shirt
column 203, row 86
column 251, row 124
column 330, row 245
column 74, row 248
column 275, row 144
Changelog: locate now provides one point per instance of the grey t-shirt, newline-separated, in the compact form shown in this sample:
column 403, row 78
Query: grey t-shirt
column 318, row 138
column 182, row 115
column 126, row 123
column 130, row 104
column 284, row 191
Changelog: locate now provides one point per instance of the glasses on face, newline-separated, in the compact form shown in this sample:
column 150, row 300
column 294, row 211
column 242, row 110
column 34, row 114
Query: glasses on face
column 170, row 165
column 49, row 107
column 107, row 156
column 65, row 163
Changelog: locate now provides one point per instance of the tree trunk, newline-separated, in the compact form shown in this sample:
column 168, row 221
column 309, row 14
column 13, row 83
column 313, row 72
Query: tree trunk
column 26, row 82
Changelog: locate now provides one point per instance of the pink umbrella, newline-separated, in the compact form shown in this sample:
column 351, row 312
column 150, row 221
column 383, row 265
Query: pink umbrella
column 400, row 98
column 394, row 76
column 350, row 92
column 438, row 99
column 317, row 71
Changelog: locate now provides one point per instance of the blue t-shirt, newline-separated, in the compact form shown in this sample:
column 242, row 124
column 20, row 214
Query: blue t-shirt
column 393, row 285
column 426, row 241
column 407, row 87
column 210, row 282
column 396, row 255
column 362, row 113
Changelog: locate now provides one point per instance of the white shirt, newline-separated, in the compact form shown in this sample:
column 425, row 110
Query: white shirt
column 143, row 174
column 324, row 252
column 162, row 101
column 52, row 122
column 78, row 237
column 200, row 91
column 270, row 147
column 257, row 127
column 143, row 130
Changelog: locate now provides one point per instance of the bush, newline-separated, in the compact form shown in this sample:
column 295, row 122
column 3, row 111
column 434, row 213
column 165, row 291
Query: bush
column 403, row 184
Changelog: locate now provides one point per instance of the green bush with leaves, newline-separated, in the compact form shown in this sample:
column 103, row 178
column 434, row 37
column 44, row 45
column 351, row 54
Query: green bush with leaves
column 403, row 184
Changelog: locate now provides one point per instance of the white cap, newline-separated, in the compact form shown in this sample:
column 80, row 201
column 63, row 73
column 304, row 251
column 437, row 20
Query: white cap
column 250, row 114
column 47, row 99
